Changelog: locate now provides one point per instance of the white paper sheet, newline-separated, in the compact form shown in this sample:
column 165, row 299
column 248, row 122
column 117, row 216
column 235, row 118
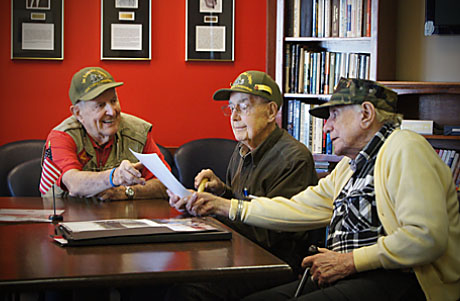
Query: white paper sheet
column 156, row 166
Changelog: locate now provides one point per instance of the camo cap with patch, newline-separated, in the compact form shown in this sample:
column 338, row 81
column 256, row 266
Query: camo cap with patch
column 356, row 91
column 255, row 83
column 89, row 83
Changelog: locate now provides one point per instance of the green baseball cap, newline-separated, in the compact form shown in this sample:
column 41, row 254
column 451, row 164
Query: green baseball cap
column 89, row 83
column 252, row 82
column 350, row 91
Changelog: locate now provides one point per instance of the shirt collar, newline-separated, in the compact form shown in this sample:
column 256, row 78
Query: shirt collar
column 259, row 151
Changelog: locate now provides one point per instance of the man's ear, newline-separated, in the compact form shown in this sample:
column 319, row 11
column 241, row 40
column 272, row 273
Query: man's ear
column 272, row 111
column 76, row 110
column 368, row 114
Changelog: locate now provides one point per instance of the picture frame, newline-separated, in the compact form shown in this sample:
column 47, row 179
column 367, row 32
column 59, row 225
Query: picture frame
column 37, row 29
column 210, row 30
column 126, row 30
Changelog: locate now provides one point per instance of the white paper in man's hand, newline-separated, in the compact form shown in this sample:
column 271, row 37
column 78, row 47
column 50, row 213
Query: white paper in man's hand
column 157, row 167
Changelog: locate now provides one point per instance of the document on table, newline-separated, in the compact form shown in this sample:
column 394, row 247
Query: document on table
column 157, row 167
column 27, row 215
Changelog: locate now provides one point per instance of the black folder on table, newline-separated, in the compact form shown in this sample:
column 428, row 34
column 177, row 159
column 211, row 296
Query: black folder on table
column 129, row 231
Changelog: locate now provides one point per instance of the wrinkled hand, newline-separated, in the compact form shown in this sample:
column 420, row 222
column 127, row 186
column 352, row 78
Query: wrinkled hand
column 128, row 174
column 200, row 203
column 328, row 266
column 176, row 202
column 214, row 185
column 113, row 194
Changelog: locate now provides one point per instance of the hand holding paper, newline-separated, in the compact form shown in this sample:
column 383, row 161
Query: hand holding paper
column 156, row 166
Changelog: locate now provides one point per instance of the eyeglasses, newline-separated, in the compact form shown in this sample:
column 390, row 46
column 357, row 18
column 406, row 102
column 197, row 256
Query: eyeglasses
column 241, row 108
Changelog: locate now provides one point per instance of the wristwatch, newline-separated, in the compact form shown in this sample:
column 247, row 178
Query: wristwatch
column 129, row 192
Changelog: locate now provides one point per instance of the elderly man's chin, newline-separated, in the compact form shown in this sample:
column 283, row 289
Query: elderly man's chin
column 109, row 129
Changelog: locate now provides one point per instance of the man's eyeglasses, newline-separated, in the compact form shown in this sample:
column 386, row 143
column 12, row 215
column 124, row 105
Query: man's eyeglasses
column 241, row 108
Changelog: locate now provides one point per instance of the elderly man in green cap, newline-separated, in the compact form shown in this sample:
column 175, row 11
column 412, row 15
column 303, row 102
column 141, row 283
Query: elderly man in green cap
column 267, row 161
column 390, row 206
column 92, row 147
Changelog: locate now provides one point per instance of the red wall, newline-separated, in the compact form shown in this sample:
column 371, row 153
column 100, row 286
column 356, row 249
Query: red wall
column 174, row 95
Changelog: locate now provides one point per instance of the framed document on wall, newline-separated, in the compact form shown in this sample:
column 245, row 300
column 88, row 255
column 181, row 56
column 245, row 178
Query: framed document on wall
column 125, row 29
column 37, row 30
column 209, row 30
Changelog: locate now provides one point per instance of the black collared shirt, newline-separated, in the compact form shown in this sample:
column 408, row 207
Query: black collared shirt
column 280, row 166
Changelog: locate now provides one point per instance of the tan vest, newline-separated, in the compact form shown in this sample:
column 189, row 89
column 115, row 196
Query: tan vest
column 132, row 134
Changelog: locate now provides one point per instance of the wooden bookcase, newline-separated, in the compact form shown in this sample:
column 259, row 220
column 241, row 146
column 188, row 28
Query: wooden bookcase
column 437, row 101
column 379, row 46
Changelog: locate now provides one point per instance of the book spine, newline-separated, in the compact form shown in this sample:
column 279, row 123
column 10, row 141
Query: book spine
column 296, row 128
column 368, row 16
column 343, row 18
column 301, row 83
column 287, row 68
column 290, row 116
column 296, row 29
column 306, row 16
column 327, row 66
column 327, row 18
column 314, row 21
column 321, row 18
column 331, row 72
column 335, row 18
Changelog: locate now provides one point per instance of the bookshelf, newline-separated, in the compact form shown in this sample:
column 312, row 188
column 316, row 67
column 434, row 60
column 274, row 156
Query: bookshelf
column 376, row 45
column 437, row 101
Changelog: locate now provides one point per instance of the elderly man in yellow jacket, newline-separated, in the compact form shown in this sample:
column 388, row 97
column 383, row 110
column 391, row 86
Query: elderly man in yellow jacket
column 390, row 205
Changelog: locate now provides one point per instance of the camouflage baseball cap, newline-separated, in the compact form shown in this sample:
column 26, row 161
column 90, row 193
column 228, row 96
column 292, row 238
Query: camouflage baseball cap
column 252, row 82
column 356, row 91
column 89, row 83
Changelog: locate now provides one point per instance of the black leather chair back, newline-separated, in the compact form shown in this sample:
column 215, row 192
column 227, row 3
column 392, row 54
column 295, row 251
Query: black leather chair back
column 14, row 153
column 193, row 156
column 169, row 158
column 24, row 178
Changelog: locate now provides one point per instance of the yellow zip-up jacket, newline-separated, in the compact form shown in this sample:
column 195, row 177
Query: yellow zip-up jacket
column 416, row 203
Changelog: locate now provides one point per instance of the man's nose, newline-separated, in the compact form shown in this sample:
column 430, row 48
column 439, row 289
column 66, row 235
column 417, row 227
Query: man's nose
column 109, row 109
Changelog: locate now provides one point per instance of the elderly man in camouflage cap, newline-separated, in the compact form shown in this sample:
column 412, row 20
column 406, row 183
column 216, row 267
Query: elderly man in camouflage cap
column 92, row 147
column 390, row 206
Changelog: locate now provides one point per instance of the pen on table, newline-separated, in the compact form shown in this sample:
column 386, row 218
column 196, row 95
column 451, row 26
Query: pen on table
column 202, row 184
column 311, row 250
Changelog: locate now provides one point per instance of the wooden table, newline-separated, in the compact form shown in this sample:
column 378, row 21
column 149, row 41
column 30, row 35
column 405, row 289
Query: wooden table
column 30, row 260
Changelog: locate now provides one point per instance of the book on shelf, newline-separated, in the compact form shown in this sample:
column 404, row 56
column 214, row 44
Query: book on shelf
column 311, row 70
column 123, row 231
column 423, row 127
column 335, row 18
column 451, row 130
column 296, row 19
column 306, row 18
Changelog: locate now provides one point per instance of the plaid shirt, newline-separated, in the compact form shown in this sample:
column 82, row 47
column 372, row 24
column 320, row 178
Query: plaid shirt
column 355, row 222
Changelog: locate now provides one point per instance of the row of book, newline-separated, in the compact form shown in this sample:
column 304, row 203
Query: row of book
column 328, row 18
column 452, row 159
column 306, row 128
column 318, row 72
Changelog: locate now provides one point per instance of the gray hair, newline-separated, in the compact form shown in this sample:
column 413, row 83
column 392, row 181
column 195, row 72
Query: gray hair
column 383, row 116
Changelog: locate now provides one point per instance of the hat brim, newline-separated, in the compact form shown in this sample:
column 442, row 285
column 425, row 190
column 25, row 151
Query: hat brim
column 99, row 90
column 224, row 94
column 322, row 111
